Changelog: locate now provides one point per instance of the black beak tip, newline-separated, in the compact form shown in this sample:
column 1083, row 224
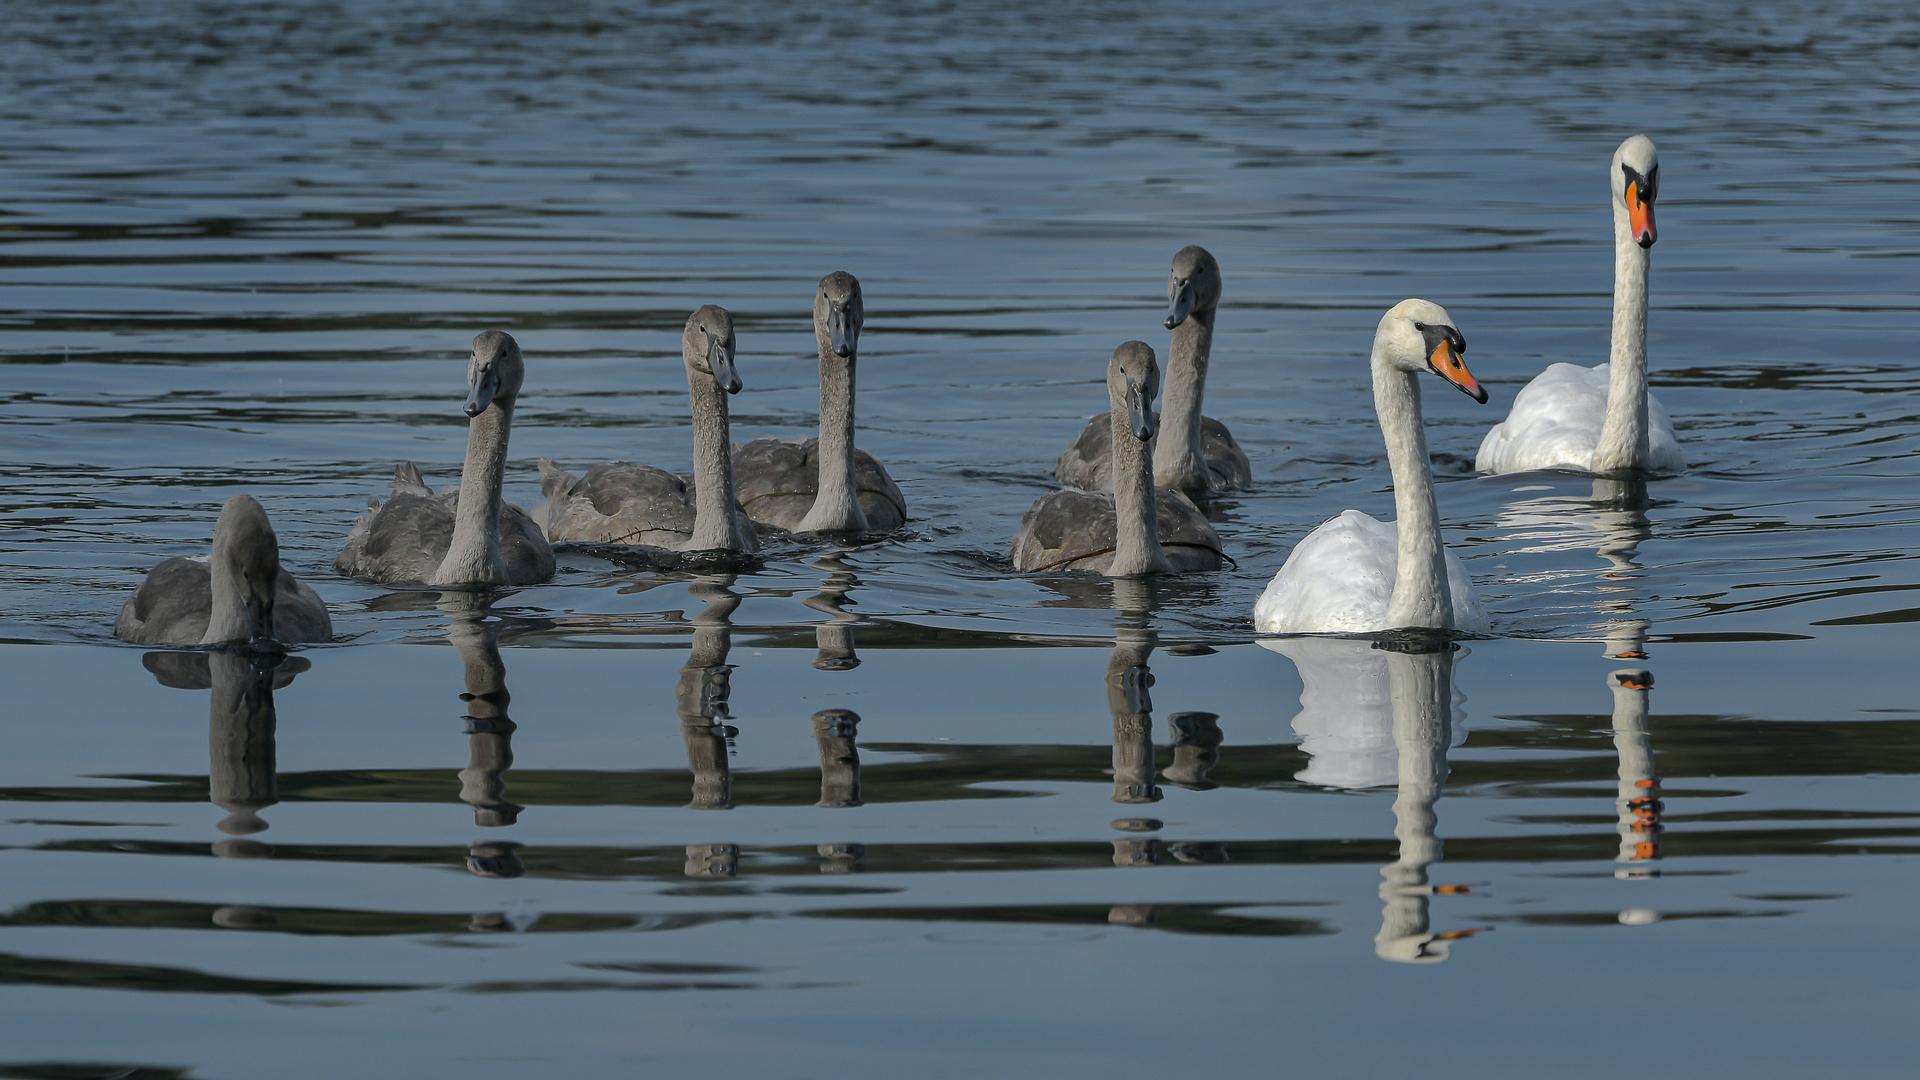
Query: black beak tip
column 473, row 410
column 732, row 386
column 1480, row 395
column 843, row 349
column 1173, row 322
column 1645, row 240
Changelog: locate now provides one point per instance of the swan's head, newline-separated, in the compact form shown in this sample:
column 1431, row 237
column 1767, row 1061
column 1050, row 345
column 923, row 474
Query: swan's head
column 1419, row 335
column 838, row 313
column 1630, row 679
column 1133, row 381
column 1194, row 284
column 244, row 546
column 1636, row 184
column 707, row 346
column 493, row 371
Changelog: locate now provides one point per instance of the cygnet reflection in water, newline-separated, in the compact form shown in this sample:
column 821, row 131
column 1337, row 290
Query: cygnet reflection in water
column 834, row 638
column 241, row 769
column 700, row 696
column 1355, row 691
column 476, row 637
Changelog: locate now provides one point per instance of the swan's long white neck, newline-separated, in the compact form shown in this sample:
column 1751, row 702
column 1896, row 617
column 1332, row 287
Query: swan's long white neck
column 1178, row 460
column 715, row 527
column 836, row 506
column 1136, row 533
column 474, row 556
column 1420, row 595
column 1623, row 442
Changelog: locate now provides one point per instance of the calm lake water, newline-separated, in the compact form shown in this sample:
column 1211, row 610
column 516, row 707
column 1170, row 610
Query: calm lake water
column 895, row 810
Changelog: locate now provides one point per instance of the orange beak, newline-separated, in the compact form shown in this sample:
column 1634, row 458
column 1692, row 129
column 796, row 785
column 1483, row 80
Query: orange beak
column 1640, row 217
column 1631, row 685
column 1447, row 364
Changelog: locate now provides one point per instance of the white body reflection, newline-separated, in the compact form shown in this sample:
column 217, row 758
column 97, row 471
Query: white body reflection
column 1345, row 722
column 1613, row 524
column 1379, row 713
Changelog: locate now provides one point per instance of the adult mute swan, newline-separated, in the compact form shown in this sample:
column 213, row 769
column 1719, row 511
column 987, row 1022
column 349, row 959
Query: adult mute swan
column 823, row 484
column 1354, row 574
column 239, row 595
column 1132, row 529
column 464, row 536
column 1192, row 452
column 618, row 503
column 1600, row 420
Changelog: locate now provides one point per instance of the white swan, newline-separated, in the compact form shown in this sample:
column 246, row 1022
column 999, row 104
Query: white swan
column 1133, row 529
column 823, row 484
column 470, row 535
column 239, row 595
column 619, row 503
column 1192, row 452
column 1354, row 574
column 1600, row 420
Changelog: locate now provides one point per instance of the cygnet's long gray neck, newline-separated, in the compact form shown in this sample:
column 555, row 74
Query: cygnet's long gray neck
column 1136, row 539
column 1420, row 594
column 715, row 527
column 836, row 506
column 1178, row 459
column 229, row 621
column 1623, row 445
column 474, row 556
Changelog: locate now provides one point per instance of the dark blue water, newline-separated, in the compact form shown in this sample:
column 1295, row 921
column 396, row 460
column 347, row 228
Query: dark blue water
column 244, row 247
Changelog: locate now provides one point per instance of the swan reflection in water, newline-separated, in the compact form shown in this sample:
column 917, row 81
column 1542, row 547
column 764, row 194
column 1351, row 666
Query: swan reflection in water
column 1386, row 712
column 241, row 768
column 1613, row 524
column 1637, row 806
column 700, row 700
column 834, row 638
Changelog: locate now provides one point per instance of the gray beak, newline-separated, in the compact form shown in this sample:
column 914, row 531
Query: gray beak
column 482, row 393
column 841, row 333
column 1139, row 413
column 260, row 612
column 720, row 362
column 1182, row 305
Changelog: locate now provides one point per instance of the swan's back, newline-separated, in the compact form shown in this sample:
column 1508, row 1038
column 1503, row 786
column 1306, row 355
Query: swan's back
column 1339, row 580
column 1070, row 529
column 174, row 603
column 1088, row 463
column 1556, row 422
column 777, row 480
column 618, row 503
column 405, row 539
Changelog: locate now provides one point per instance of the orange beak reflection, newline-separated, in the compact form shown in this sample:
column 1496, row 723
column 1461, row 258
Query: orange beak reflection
column 1640, row 217
column 1447, row 364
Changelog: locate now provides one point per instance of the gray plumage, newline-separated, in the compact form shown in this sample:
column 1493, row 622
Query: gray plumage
column 406, row 538
column 621, row 503
column 779, row 479
column 465, row 536
column 177, row 601
column 1070, row 529
column 824, row 484
column 1136, row 528
column 1191, row 452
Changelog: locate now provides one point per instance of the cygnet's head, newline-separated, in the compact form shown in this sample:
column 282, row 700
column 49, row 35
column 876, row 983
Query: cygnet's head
column 245, row 549
column 838, row 313
column 707, row 346
column 494, row 371
column 1630, row 679
column 1133, row 378
column 1419, row 335
column 1636, row 184
column 1194, row 284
